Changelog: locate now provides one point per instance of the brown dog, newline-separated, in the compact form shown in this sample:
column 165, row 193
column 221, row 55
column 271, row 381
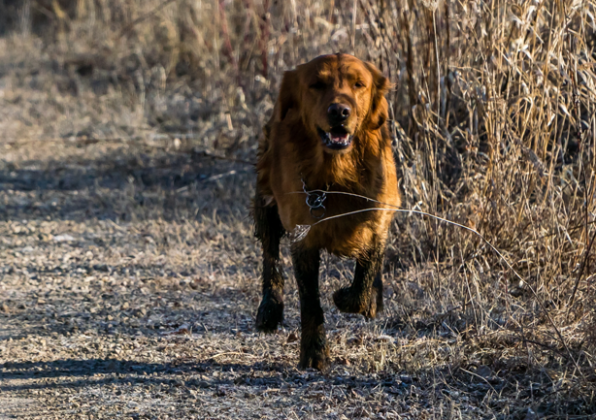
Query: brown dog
column 327, row 133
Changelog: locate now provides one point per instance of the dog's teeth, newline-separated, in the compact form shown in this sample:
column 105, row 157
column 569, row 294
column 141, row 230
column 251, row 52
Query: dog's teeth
column 334, row 140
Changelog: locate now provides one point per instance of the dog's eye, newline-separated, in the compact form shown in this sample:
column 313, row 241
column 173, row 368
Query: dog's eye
column 359, row 85
column 317, row 85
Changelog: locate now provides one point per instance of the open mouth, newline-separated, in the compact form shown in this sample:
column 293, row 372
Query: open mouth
column 337, row 138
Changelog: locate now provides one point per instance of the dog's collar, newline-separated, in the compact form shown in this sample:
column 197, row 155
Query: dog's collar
column 315, row 200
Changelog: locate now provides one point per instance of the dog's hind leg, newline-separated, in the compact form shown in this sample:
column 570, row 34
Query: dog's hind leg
column 365, row 295
column 377, row 294
column 269, row 230
column 314, row 351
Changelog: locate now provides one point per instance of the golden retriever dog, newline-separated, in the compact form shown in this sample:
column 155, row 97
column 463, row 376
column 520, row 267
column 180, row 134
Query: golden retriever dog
column 327, row 135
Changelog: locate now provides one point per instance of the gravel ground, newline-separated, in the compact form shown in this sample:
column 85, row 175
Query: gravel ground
column 129, row 287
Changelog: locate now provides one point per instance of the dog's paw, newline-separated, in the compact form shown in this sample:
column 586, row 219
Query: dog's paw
column 372, row 310
column 314, row 354
column 270, row 313
column 349, row 301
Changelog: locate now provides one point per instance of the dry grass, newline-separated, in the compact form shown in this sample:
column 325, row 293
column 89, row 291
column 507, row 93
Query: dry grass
column 106, row 109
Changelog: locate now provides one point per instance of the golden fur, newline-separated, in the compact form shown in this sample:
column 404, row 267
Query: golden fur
column 291, row 150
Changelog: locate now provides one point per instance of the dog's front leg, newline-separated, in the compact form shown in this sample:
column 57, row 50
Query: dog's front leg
column 314, row 351
column 365, row 295
column 269, row 230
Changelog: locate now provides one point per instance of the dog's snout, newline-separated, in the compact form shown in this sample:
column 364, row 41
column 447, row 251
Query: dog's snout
column 338, row 113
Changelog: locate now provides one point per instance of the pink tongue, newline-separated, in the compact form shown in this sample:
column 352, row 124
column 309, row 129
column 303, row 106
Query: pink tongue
column 338, row 137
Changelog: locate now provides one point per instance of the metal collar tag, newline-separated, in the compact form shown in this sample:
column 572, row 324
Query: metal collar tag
column 315, row 200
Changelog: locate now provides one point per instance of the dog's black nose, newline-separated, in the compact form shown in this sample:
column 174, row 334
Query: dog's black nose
column 338, row 113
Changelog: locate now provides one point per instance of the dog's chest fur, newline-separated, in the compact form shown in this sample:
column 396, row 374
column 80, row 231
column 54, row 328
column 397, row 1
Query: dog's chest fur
column 369, row 171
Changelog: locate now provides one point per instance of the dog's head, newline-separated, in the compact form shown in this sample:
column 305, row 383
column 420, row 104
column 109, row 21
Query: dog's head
column 337, row 96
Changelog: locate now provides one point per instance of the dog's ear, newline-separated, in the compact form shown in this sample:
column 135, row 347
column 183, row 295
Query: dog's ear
column 287, row 98
column 379, row 109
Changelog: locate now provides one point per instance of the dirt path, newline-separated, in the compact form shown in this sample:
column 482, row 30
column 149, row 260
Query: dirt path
column 129, row 286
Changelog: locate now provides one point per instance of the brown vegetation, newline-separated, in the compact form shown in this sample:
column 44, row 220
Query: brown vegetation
column 493, row 112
